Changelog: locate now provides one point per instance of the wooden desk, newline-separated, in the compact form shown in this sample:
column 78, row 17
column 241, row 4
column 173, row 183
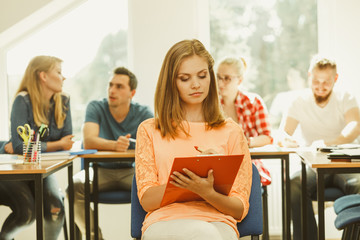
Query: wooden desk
column 274, row 152
column 37, row 173
column 322, row 165
column 100, row 156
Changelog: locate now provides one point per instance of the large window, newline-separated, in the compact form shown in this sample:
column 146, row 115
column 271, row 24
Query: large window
column 91, row 40
column 277, row 39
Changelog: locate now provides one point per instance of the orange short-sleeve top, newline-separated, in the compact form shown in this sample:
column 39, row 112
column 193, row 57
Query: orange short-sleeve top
column 154, row 156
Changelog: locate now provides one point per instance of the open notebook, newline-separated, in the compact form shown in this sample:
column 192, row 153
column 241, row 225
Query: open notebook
column 225, row 169
column 66, row 154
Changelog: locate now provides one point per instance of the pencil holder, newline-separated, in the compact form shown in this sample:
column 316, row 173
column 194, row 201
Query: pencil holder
column 32, row 152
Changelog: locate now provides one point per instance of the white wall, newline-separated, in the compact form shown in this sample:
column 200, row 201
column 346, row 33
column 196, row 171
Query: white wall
column 22, row 8
column 156, row 25
column 339, row 36
column 4, row 116
column 28, row 20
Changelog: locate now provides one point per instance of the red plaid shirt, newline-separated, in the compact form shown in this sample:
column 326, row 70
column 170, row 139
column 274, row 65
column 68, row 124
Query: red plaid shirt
column 252, row 115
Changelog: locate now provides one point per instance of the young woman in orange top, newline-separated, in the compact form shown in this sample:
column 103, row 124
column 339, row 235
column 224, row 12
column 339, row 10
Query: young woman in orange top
column 188, row 114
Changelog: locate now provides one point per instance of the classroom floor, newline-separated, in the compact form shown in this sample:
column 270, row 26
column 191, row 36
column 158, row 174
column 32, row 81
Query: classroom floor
column 119, row 229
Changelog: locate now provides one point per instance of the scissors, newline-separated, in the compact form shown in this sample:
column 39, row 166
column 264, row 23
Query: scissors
column 24, row 132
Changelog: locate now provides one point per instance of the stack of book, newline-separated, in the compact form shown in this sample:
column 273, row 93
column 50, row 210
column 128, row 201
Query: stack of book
column 347, row 155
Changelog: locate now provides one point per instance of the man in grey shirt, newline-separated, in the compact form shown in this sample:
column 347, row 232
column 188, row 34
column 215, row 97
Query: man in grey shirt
column 109, row 123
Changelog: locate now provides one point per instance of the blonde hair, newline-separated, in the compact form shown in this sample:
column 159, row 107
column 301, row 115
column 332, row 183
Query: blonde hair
column 168, row 110
column 321, row 63
column 239, row 64
column 31, row 84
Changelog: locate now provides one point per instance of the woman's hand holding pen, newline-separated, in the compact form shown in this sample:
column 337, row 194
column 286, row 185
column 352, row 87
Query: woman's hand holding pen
column 67, row 142
column 205, row 152
column 194, row 183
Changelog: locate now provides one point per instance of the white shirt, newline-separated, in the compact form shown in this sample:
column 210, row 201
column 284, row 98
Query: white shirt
column 318, row 123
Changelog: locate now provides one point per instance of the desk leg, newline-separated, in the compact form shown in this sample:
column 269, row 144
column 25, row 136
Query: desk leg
column 39, row 210
column 87, row 199
column 283, row 199
column 71, row 202
column 96, row 200
column 303, row 201
column 286, row 201
column 320, row 198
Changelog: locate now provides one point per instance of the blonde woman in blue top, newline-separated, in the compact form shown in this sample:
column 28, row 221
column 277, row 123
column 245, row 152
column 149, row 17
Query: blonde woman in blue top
column 38, row 100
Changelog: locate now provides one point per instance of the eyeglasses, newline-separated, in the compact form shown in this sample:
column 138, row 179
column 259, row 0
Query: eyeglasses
column 226, row 78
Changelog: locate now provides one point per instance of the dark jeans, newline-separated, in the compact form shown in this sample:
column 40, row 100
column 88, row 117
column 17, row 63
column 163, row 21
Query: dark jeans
column 19, row 196
column 348, row 183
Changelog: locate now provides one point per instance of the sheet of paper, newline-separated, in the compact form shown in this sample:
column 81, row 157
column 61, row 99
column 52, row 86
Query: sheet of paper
column 349, row 152
column 10, row 159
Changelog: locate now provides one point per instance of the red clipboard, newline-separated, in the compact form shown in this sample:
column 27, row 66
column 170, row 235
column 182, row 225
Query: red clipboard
column 225, row 169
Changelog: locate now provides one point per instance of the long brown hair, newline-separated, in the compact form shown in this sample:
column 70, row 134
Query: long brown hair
column 31, row 84
column 168, row 111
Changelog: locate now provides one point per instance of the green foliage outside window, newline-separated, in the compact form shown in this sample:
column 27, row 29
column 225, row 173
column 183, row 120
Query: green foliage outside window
column 274, row 36
column 92, row 81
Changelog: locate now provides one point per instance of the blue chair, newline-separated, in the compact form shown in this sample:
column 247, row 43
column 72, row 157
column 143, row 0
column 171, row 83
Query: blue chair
column 348, row 201
column 347, row 209
column 330, row 194
column 106, row 197
column 251, row 225
column 265, row 204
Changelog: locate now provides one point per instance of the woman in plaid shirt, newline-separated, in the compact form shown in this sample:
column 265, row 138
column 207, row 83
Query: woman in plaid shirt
column 245, row 108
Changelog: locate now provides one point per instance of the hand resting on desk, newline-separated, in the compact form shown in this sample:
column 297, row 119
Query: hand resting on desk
column 9, row 148
column 289, row 143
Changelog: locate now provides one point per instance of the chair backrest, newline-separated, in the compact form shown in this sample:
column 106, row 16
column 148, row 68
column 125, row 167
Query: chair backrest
column 137, row 212
column 252, row 224
column 330, row 194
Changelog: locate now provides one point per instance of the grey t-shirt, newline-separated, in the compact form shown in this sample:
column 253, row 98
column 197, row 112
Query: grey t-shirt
column 98, row 112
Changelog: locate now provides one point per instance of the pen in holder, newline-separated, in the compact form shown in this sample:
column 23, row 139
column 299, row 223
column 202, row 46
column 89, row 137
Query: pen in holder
column 32, row 152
